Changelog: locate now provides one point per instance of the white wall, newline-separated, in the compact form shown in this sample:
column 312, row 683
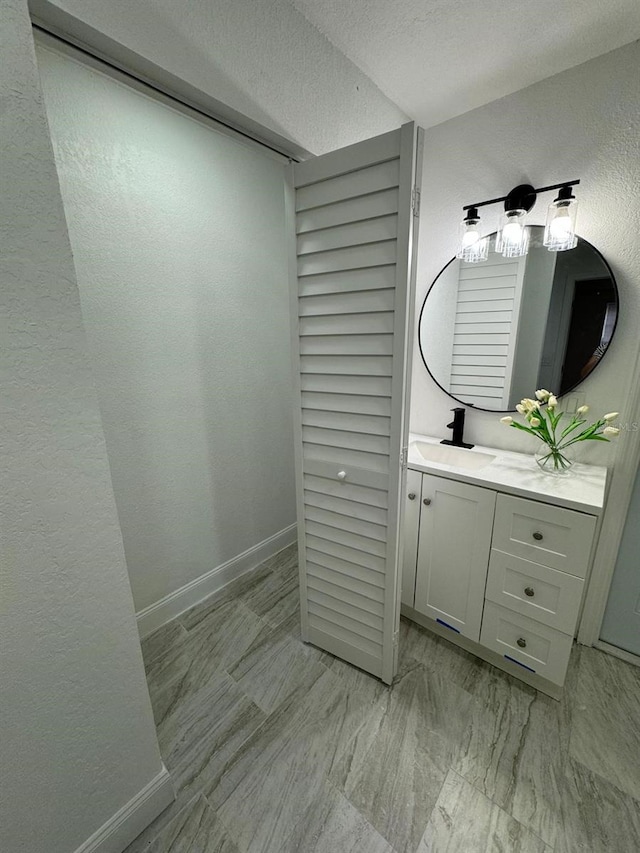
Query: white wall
column 261, row 57
column 583, row 123
column 77, row 732
column 178, row 235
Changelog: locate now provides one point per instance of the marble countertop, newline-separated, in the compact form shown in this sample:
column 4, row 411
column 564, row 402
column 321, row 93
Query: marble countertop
column 583, row 489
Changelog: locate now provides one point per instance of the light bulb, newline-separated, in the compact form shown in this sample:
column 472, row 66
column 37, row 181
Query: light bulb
column 560, row 230
column 512, row 233
column 472, row 248
column 470, row 238
column 513, row 238
column 561, row 226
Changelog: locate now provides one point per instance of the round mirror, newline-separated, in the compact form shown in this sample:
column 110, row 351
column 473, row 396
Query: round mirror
column 491, row 333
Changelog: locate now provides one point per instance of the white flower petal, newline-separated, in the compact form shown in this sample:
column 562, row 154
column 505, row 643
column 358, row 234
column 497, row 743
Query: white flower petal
column 535, row 422
column 611, row 431
column 582, row 410
column 611, row 416
column 507, row 420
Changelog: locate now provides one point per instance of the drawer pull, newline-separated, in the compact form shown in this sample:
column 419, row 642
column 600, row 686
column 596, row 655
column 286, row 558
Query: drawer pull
column 342, row 475
column 427, row 501
column 412, row 496
column 538, row 536
column 522, row 642
column 529, row 590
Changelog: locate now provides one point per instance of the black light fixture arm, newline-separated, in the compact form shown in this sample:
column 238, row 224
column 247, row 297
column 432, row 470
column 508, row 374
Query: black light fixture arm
column 523, row 189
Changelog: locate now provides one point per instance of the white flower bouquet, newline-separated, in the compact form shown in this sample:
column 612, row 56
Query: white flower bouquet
column 544, row 421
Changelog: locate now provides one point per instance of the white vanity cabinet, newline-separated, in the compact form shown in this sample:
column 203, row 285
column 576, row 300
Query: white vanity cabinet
column 499, row 574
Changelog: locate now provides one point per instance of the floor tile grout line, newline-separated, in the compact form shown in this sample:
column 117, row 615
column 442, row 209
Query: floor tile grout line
column 502, row 808
column 219, row 818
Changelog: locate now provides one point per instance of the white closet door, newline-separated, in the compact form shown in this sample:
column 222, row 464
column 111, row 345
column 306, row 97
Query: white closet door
column 356, row 218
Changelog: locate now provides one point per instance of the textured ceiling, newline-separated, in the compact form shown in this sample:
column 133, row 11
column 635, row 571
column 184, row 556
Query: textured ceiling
column 439, row 58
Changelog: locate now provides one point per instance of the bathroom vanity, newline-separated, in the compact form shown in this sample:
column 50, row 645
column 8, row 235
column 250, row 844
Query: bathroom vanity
column 497, row 554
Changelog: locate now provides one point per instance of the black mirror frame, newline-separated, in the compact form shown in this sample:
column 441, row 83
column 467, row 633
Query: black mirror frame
column 568, row 390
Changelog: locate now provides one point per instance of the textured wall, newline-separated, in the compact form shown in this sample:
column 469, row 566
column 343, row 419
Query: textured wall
column 77, row 733
column 261, row 57
column 178, row 236
column 583, row 123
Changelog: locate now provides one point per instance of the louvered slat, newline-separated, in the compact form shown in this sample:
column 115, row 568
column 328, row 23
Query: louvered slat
column 348, row 281
column 477, row 381
column 376, row 462
column 381, row 344
column 349, row 421
column 336, row 629
column 364, row 603
column 356, row 612
column 346, row 440
column 353, row 209
column 328, row 569
column 342, row 490
column 347, row 403
column 359, row 182
column 351, row 258
column 347, row 506
column 476, row 390
column 477, row 370
column 350, row 569
column 344, row 537
column 351, row 365
column 338, row 617
column 344, row 522
column 360, row 302
column 353, row 235
column 373, row 386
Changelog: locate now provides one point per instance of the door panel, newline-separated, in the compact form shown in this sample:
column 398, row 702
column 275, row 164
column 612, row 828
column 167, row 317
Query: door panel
column 453, row 553
column 621, row 626
column 353, row 300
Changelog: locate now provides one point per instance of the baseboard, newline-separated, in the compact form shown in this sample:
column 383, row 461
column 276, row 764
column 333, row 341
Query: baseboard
column 624, row 655
column 172, row 605
column 127, row 823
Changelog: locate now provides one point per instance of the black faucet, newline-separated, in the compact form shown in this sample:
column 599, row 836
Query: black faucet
column 457, row 425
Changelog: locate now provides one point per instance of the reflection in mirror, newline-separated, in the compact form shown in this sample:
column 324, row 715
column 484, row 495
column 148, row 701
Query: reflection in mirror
column 493, row 332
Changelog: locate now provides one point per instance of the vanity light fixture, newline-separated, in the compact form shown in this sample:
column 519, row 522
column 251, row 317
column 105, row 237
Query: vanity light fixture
column 473, row 247
column 560, row 230
column 512, row 239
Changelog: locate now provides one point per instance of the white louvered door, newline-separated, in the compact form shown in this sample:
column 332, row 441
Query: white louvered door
column 486, row 330
column 352, row 309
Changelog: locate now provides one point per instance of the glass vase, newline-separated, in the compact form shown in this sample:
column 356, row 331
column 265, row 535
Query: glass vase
column 553, row 460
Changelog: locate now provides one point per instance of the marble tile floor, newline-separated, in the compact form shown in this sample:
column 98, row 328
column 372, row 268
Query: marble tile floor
column 278, row 747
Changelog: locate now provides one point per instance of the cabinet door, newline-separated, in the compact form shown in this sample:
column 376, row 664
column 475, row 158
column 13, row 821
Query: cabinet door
column 453, row 553
column 352, row 303
column 411, row 527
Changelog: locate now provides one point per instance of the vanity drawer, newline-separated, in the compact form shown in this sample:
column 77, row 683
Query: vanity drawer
column 517, row 638
column 536, row 591
column 550, row 535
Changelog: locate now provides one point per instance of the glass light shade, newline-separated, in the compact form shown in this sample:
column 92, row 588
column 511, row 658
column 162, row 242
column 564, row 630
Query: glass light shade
column 512, row 239
column 560, row 230
column 472, row 247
